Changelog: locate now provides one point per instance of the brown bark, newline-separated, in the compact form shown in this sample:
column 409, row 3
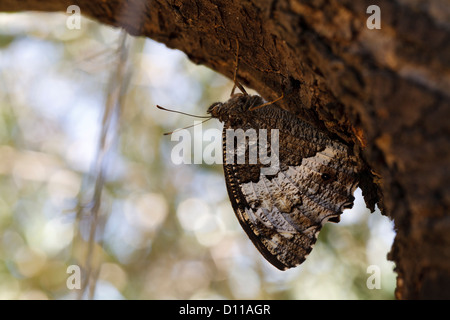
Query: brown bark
column 384, row 91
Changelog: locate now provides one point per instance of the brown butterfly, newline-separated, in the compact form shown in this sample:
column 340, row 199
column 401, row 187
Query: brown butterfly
column 283, row 212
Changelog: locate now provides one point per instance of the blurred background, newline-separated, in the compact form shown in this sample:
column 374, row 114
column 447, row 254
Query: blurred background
column 88, row 181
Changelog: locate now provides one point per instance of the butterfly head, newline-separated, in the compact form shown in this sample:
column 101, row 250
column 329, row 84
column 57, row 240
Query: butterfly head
column 234, row 107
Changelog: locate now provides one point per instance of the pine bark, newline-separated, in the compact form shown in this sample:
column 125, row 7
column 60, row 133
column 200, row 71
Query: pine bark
column 384, row 91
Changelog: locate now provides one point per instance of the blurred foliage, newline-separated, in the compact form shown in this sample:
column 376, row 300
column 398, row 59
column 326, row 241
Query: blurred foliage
column 164, row 231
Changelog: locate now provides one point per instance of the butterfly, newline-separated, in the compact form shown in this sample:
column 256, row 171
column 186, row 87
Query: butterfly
column 283, row 212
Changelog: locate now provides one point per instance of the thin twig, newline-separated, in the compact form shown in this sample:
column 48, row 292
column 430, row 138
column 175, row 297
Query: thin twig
column 117, row 87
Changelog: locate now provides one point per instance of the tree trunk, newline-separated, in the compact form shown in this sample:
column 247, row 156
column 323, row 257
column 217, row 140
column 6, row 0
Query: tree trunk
column 385, row 91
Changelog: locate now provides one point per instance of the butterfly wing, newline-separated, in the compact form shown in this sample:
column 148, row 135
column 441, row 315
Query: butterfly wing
column 283, row 213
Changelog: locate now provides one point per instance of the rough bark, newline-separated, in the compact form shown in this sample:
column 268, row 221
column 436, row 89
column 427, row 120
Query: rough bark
column 384, row 91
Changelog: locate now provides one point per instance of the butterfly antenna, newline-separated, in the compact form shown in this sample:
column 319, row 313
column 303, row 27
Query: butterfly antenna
column 267, row 103
column 169, row 133
column 186, row 114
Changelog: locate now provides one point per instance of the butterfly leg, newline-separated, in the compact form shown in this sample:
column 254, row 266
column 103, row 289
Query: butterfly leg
column 236, row 83
column 250, row 105
column 267, row 103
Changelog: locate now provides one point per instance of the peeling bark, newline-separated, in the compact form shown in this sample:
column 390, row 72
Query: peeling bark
column 385, row 92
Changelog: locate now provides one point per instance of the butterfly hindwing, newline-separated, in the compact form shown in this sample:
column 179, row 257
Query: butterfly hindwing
column 283, row 212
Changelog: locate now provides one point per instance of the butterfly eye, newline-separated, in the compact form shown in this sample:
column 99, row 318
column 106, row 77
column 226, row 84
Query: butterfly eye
column 326, row 177
column 213, row 107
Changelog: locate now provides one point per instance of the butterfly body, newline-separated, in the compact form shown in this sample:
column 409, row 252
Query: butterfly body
column 282, row 212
